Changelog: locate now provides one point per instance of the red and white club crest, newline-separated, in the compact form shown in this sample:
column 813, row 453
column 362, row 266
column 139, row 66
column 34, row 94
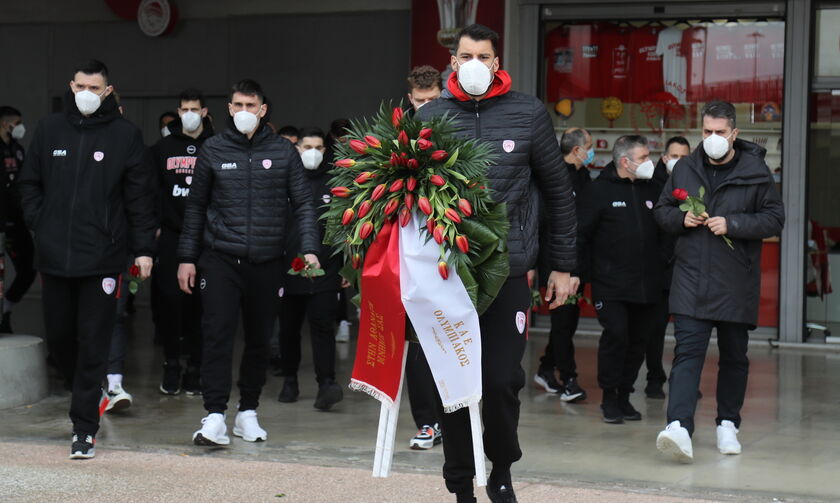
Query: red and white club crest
column 266, row 163
column 520, row 321
column 98, row 156
column 649, row 204
column 108, row 285
column 508, row 145
column 188, row 180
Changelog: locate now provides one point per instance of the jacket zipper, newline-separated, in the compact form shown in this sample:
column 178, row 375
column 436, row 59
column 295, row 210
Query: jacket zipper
column 641, row 236
column 73, row 197
column 248, row 221
column 477, row 122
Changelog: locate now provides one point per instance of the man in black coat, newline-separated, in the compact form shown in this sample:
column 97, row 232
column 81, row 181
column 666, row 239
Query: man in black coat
column 620, row 249
column 234, row 233
column 519, row 130
column 716, row 285
column 88, row 196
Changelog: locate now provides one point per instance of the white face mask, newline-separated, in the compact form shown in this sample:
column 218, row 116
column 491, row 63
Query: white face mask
column 716, row 147
column 669, row 166
column 87, row 102
column 311, row 158
column 164, row 132
column 190, row 121
column 245, row 122
column 474, row 77
column 18, row 132
column 644, row 171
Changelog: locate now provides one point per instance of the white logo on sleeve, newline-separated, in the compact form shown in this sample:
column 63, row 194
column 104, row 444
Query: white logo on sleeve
column 520, row 321
column 266, row 163
column 202, row 284
column 326, row 198
column 108, row 285
column 280, row 292
column 98, row 156
column 508, row 145
column 649, row 204
column 599, row 305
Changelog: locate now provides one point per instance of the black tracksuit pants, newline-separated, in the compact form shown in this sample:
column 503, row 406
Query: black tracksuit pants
column 502, row 348
column 179, row 314
column 79, row 320
column 422, row 390
column 655, row 349
column 21, row 250
column 560, row 350
column 693, row 337
column 320, row 310
column 621, row 350
column 228, row 286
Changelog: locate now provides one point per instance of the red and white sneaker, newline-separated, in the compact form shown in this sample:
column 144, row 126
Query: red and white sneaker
column 426, row 438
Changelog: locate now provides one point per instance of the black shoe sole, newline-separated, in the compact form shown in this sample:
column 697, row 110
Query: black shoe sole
column 614, row 420
column 204, row 442
column 635, row 417
column 330, row 398
column 286, row 399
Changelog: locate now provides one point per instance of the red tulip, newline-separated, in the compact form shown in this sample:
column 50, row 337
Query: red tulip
column 391, row 206
column 430, row 225
column 395, row 159
column 437, row 180
column 359, row 146
column 405, row 216
column 298, row 264
column 373, row 141
column 345, row 163
column 465, row 207
column 347, row 217
column 680, row 194
column 443, row 269
column 424, row 205
column 463, row 243
column 364, row 177
column 425, row 133
column 340, row 191
column 413, row 164
column 403, row 138
column 411, row 184
column 452, row 215
column 397, row 185
column 424, row 144
column 396, row 116
column 364, row 208
column 378, row 192
column 134, row 271
column 356, row 261
column 438, row 234
column 365, row 230
column 439, row 155
column 409, row 200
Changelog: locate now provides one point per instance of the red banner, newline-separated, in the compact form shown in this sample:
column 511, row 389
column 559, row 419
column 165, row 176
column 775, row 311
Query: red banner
column 379, row 356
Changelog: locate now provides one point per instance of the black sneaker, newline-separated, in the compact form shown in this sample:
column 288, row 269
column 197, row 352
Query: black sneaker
column 83, row 446
column 627, row 410
column 290, row 391
column 654, row 389
column 6, row 324
column 572, row 392
column 465, row 498
column 546, row 380
column 191, row 382
column 170, row 384
column 329, row 394
column 502, row 493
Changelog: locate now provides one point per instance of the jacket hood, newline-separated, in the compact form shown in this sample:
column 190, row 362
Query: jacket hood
column 501, row 85
column 176, row 128
column 750, row 167
column 107, row 111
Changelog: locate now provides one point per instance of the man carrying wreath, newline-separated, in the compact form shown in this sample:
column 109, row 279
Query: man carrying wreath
column 520, row 133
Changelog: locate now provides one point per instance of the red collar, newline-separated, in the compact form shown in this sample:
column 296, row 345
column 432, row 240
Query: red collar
column 501, row 85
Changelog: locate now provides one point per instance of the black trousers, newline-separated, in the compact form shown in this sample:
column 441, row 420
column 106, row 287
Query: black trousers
column 693, row 337
column 422, row 391
column 502, row 348
column 21, row 250
column 229, row 285
column 621, row 350
column 179, row 314
column 560, row 350
column 320, row 310
column 79, row 319
column 656, row 346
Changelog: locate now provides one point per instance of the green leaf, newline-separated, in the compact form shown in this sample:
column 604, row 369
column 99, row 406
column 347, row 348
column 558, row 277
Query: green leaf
column 490, row 277
column 702, row 192
column 133, row 286
column 685, row 207
column 469, row 282
column 452, row 159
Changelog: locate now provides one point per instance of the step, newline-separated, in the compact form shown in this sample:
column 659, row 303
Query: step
column 23, row 370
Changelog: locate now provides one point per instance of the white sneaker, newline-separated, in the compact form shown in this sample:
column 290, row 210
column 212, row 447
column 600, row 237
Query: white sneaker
column 213, row 431
column 675, row 442
column 118, row 399
column 247, row 427
column 727, row 438
column 426, row 438
column 343, row 333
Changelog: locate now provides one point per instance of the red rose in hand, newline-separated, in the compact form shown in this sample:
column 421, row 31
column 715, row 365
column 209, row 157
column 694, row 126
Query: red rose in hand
column 680, row 194
column 298, row 264
column 134, row 271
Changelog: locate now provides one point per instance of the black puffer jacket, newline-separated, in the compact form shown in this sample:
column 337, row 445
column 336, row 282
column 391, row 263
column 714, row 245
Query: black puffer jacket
column 620, row 242
column 520, row 132
column 240, row 198
column 87, row 192
column 712, row 281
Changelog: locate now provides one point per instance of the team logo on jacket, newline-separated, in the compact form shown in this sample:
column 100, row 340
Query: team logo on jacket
column 203, row 284
column 520, row 321
column 188, row 180
column 649, row 204
column 191, row 149
column 619, row 204
column 266, row 163
column 108, row 285
column 599, row 305
column 20, row 155
column 280, row 292
column 326, row 198
column 228, row 165
column 98, row 156
column 508, row 145
column 59, row 153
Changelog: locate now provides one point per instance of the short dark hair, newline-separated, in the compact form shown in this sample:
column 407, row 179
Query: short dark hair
column 679, row 140
column 164, row 115
column 7, row 111
column 310, row 131
column 720, row 110
column 191, row 94
column 288, row 130
column 574, row 137
column 92, row 67
column 479, row 32
column 338, row 127
column 424, row 77
column 248, row 87
column 624, row 144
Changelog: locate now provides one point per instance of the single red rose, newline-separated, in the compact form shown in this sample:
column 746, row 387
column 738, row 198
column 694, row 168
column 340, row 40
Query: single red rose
column 411, row 184
column 373, row 141
column 405, row 216
column 345, row 163
column 409, row 200
column 364, row 177
column 680, row 194
column 425, row 133
column 364, row 208
column 465, row 207
column 340, row 191
column 134, row 271
column 378, row 192
column 430, row 225
column 391, row 206
column 424, row 205
column 397, row 185
column 438, row 234
column 347, row 217
column 298, row 264
column 365, row 230
column 396, row 116
column 443, row 269
column 359, row 146
column 424, row 144
column 413, row 164
column 463, row 243
column 452, row 215
column 439, row 155
column 437, row 180
column 403, row 138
